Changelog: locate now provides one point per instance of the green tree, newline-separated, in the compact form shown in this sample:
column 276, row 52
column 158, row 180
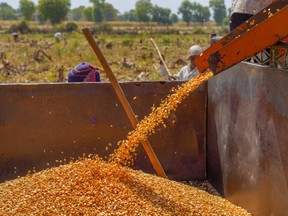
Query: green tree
column 185, row 11
column 87, row 14
column 193, row 12
column 128, row 16
column 109, row 12
column 219, row 10
column 103, row 11
column 174, row 18
column 54, row 10
column 143, row 10
column 27, row 9
column 206, row 14
column 7, row 12
column 76, row 13
column 199, row 13
column 98, row 12
column 161, row 15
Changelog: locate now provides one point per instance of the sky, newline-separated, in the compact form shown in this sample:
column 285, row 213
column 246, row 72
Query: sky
column 126, row 5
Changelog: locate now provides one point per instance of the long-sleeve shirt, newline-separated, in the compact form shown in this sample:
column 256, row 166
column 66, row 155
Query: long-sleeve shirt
column 186, row 73
column 249, row 6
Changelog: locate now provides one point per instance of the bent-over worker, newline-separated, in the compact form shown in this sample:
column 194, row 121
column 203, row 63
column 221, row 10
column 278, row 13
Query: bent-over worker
column 84, row 72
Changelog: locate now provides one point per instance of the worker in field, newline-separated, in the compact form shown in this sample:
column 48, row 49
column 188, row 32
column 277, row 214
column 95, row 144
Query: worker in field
column 242, row 10
column 15, row 36
column 187, row 72
column 58, row 36
column 84, row 72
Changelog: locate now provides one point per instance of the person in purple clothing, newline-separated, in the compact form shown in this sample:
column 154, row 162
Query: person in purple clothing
column 84, row 72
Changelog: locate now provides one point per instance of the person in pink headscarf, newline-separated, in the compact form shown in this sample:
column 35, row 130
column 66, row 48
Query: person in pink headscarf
column 84, row 72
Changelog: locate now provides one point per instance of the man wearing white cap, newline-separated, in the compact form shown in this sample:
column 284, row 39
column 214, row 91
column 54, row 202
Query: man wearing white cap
column 189, row 71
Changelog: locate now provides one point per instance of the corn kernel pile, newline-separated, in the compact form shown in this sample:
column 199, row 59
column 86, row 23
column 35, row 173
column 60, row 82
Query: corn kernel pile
column 126, row 152
column 94, row 187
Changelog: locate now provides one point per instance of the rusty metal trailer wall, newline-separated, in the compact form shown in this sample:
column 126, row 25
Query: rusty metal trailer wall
column 247, row 141
column 41, row 124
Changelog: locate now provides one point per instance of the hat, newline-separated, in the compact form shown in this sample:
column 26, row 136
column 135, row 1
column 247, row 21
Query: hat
column 84, row 72
column 58, row 35
column 194, row 50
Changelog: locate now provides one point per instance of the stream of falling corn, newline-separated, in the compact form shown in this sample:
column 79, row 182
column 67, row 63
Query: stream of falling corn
column 126, row 152
column 91, row 186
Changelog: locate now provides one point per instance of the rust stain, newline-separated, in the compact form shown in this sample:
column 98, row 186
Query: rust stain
column 202, row 61
column 261, row 36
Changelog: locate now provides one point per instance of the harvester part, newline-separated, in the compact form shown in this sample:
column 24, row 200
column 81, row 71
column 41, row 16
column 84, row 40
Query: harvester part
column 246, row 137
column 120, row 94
column 251, row 42
column 202, row 61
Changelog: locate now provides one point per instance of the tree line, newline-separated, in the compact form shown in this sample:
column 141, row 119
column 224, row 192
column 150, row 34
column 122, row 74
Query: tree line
column 56, row 11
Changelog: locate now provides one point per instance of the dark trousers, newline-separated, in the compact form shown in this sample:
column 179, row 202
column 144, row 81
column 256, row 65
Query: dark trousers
column 237, row 19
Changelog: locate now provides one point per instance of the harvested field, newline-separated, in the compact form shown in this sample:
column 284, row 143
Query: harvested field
column 38, row 58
